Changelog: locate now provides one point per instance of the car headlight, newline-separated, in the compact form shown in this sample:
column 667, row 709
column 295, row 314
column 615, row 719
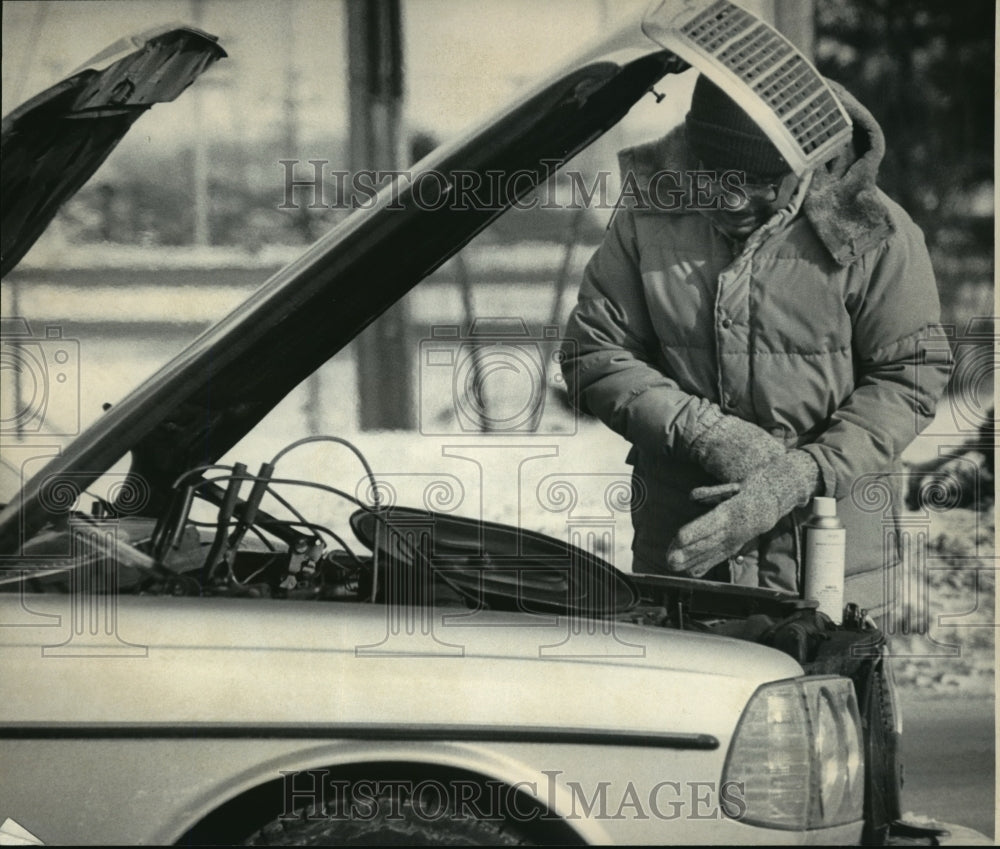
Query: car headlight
column 797, row 755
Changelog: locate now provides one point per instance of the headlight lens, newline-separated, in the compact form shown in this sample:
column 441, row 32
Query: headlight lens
column 797, row 755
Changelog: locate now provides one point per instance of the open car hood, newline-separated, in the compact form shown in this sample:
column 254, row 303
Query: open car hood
column 53, row 143
column 205, row 400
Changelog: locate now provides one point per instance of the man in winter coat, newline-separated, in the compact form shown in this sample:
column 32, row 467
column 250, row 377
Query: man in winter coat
column 760, row 351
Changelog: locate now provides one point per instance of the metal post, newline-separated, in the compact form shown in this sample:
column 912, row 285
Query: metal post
column 202, row 235
column 384, row 356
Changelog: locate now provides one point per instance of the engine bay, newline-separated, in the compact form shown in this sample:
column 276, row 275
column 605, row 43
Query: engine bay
column 226, row 531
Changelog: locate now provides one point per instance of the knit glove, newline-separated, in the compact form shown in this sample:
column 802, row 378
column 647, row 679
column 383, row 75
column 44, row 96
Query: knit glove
column 767, row 494
column 731, row 448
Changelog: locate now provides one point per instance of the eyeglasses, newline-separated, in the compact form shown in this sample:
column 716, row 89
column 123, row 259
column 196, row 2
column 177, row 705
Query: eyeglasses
column 769, row 189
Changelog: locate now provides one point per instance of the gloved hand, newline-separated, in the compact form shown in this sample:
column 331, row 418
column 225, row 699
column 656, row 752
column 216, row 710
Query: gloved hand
column 731, row 448
column 767, row 494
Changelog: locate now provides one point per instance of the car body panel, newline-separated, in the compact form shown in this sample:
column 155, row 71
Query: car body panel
column 181, row 646
column 162, row 688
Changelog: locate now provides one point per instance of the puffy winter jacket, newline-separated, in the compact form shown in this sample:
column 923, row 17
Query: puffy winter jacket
column 816, row 330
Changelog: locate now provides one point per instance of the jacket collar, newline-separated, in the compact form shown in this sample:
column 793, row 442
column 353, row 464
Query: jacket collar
column 842, row 204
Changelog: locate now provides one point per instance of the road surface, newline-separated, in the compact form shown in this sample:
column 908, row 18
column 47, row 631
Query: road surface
column 949, row 760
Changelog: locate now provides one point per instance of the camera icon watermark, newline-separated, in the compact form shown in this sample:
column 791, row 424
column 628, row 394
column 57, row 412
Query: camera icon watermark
column 40, row 379
column 919, row 577
column 82, row 561
column 498, row 379
column 974, row 353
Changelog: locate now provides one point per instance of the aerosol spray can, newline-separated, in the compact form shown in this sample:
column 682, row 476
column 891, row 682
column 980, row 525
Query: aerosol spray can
column 826, row 553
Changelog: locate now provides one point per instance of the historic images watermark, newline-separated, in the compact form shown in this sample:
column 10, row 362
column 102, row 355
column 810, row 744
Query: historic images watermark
column 317, row 794
column 86, row 558
column 39, row 381
column 498, row 393
column 497, row 572
column 496, row 190
column 499, row 378
column 80, row 555
column 960, row 475
column 974, row 350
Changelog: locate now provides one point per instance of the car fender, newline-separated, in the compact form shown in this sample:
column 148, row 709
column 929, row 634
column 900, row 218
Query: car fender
column 483, row 762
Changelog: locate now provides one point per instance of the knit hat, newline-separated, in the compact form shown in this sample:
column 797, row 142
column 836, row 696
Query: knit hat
column 723, row 136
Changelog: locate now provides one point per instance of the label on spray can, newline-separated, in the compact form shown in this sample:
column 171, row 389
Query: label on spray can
column 826, row 557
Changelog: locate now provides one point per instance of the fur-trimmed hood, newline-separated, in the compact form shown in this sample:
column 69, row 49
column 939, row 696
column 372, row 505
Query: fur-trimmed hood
column 842, row 203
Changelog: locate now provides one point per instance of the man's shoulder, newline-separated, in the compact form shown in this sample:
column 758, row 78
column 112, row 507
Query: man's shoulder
column 679, row 229
column 656, row 176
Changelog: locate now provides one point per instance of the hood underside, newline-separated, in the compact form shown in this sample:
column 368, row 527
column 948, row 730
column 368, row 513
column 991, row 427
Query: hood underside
column 53, row 143
column 204, row 401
